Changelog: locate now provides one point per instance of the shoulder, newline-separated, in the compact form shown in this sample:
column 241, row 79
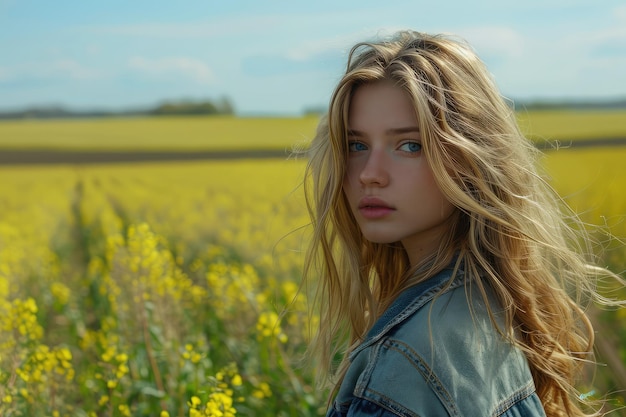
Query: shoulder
column 447, row 358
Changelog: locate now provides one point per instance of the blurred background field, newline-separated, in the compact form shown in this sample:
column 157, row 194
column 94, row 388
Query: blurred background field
column 253, row 133
column 156, row 133
column 171, row 288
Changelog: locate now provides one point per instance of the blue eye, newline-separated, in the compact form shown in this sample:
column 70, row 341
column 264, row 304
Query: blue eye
column 411, row 147
column 355, row 146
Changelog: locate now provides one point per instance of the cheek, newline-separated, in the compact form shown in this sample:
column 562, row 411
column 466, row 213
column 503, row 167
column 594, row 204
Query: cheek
column 432, row 190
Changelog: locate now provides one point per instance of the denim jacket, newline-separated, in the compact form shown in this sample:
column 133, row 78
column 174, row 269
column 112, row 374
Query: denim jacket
column 433, row 356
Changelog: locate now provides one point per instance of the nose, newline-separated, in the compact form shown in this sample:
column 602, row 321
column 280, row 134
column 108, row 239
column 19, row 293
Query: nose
column 375, row 170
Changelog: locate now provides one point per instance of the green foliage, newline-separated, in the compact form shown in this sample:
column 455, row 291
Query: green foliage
column 223, row 107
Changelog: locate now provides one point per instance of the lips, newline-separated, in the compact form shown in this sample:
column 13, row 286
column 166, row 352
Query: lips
column 374, row 208
column 373, row 202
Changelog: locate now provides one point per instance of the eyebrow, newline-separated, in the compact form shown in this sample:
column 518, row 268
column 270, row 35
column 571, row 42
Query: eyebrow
column 394, row 131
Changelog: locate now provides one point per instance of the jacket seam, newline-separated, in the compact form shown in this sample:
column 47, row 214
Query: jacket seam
column 516, row 397
column 426, row 372
column 390, row 404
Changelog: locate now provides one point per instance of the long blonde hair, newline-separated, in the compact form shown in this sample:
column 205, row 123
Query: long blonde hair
column 509, row 226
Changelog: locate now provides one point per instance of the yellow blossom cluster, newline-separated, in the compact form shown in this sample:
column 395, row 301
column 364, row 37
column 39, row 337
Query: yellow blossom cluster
column 29, row 369
column 20, row 319
column 45, row 363
column 189, row 354
column 219, row 402
column 262, row 391
column 268, row 325
column 230, row 286
column 217, row 405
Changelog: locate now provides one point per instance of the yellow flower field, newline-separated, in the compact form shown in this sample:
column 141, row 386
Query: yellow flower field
column 592, row 182
column 572, row 124
column 172, row 289
column 153, row 290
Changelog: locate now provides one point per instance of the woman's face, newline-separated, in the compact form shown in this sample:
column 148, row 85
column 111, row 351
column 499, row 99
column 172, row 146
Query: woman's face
column 389, row 184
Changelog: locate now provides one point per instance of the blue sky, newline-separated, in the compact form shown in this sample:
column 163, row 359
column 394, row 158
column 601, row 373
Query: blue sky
column 280, row 57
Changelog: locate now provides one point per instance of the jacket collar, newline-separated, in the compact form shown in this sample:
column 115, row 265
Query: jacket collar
column 408, row 302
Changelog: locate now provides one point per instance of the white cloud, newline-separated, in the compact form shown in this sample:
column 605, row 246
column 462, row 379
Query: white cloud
column 615, row 32
column 489, row 40
column 5, row 74
column 204, row 29
column 61, row 68
column 182, row 66
column 343, row 43
column 495, row 40
column 74, row 70
column 620, row 13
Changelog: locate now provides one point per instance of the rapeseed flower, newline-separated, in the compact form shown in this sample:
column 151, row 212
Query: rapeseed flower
column 263, row 391
column 268, row 325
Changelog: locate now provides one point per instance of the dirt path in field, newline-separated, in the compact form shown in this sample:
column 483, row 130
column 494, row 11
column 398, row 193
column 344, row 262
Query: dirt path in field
column 38, row 156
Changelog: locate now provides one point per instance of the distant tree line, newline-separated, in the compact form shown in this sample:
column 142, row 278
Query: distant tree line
column 571, row 104
column 221, row 106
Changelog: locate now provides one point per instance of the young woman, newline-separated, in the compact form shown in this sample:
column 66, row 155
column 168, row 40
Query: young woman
column 447, row 278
